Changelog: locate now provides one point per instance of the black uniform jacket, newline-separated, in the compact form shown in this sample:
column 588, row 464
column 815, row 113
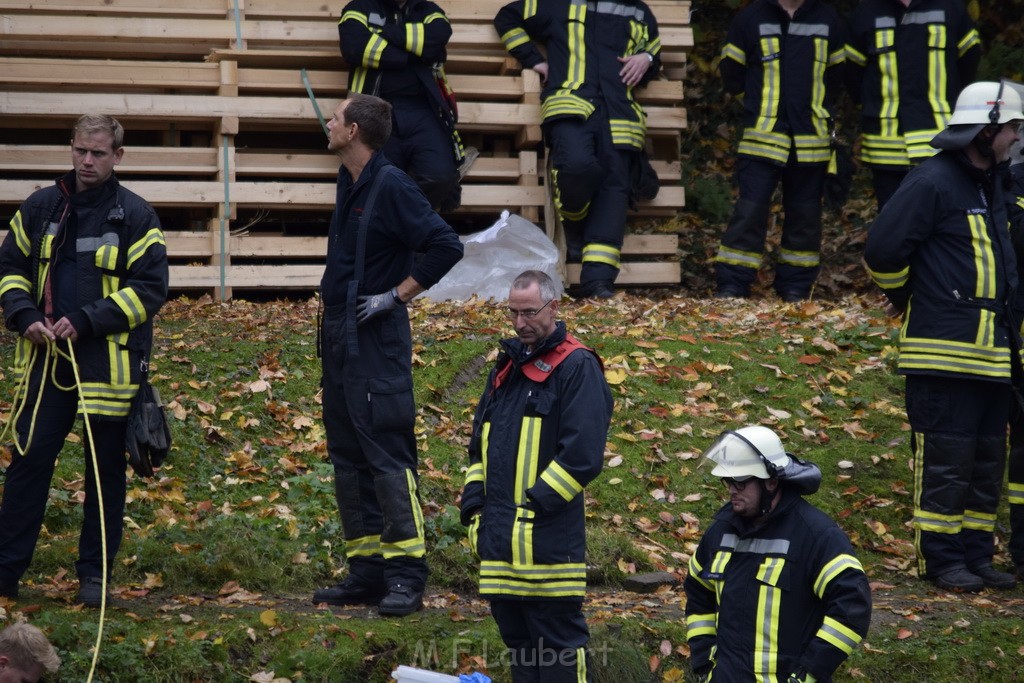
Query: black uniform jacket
column 787, row 72
column 906, row 66
column 119, row 282
column 583, row 41
column 782, row 597
column 535, row 446
column 941, row 250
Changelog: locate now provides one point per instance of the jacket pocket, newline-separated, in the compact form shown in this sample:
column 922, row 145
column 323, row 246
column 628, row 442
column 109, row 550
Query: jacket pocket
column 392, row 407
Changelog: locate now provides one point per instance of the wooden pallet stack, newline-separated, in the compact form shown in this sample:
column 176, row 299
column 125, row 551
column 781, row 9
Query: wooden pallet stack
column 224, row 142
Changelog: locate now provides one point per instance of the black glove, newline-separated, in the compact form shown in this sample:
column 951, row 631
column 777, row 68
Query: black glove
column 373, row 305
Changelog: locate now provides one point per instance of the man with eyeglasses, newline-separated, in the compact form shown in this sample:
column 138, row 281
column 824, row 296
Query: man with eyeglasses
column 941, row 252
column 539, row 437
column 773, row 590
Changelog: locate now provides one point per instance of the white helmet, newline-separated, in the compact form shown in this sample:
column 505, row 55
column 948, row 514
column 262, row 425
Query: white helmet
column 980, row 104
column 756, row 451
column 743, row 453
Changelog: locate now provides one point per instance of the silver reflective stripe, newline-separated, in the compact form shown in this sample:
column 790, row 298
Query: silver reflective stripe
column 87, row 244
column 375, row 19
column 820, row 30
column 771, row 29
column 759, row 546
column 885, row 22
column 937, row 16
column 616, row 9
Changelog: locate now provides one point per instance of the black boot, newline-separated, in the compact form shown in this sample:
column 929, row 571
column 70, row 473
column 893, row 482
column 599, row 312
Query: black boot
column 400, row 601
column 351, row 591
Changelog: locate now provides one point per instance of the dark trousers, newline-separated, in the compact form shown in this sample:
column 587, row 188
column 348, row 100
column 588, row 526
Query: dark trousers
column 886, row 180
column 421, row 146
column 591, row 185
column 959, row 446
column 27, row 482
column 546, row 639
column 369, row 415
column 739, row 256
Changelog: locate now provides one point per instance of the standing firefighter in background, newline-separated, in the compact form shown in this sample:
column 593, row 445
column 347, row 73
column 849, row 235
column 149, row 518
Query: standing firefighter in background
column 907, row 61
column 597, row 53
column 785, row 58
column 1015, row 204
column 774, row 592
column 539, row 437
column 85, row 265
column 380, row 223
column 941, row 252
column 396, row 50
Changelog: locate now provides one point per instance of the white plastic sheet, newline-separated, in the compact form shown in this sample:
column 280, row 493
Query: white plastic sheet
column 494, row 257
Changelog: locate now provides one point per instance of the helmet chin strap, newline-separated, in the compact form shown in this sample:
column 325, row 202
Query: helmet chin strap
column 766, row 497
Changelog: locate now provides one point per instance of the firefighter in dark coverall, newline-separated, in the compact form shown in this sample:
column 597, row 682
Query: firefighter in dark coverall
column 774, row 591
column 381, row 220
column 785, row 57
column 597, row 53
column 85, row 264
column 907, row 61
column 1015, row 207
column 539, row 437
column 396, row 50
column 941, row 252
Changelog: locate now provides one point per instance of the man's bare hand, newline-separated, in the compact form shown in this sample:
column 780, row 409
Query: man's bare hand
column 634, row 68
column 65, row 330
column 542, row 69
column 40, row 333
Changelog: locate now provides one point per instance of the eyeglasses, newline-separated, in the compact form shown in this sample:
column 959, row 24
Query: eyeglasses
column 738, row 484
column 529, row 314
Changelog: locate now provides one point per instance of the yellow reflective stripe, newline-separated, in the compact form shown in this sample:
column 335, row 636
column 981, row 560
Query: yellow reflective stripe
column 747, row 259
column 601, row 253
column 514, row 38
column 856, row 56
column 626, row 132
column 130, row 304
column 526, row 459
column 771, row 87
column 354, row 16
column 475, row 473
column 654, row 46
column 522, row 537
column 834, row 568
column 986, row 329
column 766, row 636
column 364, row 546
column 581, row 665
column 819, row 114
column 9, row 282
column 415, row 37
column 120, row 372
column 933, row 521
column 695, row 571
column 556, row 476
column 885, row 149
column 803, row 259
column 576, row 72
column 21, row 239
column 719, row 562
column 373, row 51
column 981, row 521
column 970, row 39
column 359, row 79
column 484, row 443
column 435, row 16
column 1016, row 494
column 734, row 53
column 838, row 634
column 937, row 79
column 885, row 39
column 136, row 250
column 700, row 625
column 529, row 8
column 564, row 103
column 564, row 213
column 889, row 280
column 990, row 354
column 984, row 257
column 408, row 547
column 555, row 580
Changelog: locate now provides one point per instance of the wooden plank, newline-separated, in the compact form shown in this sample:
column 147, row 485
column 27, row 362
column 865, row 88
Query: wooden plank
column 156, row 160
column 132, row 8
column 667, row 273
column 41, row 73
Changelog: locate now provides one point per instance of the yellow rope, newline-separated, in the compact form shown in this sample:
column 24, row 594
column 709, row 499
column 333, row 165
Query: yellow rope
column 18, row 406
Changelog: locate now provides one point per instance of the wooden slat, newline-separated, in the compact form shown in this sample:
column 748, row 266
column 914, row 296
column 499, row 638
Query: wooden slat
column 666, row 273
